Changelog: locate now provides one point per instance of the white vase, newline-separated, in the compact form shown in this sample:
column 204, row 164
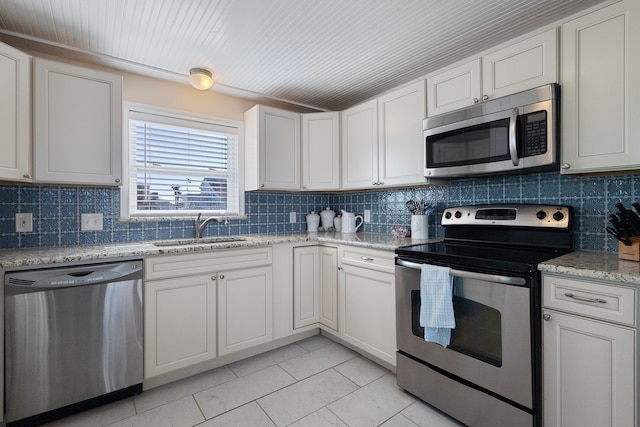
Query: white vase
column 419, row 227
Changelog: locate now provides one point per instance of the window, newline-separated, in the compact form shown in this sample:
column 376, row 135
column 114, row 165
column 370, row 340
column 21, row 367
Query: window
column 181, row 166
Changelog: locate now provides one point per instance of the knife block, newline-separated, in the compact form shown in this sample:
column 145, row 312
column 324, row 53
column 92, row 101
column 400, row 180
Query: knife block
column 631, row 253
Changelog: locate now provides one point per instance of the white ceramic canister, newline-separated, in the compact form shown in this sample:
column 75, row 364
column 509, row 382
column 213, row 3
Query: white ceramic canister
column 326, row 217
column 419, row 227
column 337, row 223
column 313, row 221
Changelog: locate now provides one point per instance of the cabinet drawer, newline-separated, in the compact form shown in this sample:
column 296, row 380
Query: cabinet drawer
column 164, row 266
column 593, row 299
column 369, row 258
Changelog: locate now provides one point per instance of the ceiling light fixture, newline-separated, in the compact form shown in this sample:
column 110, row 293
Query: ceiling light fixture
column 200, row 78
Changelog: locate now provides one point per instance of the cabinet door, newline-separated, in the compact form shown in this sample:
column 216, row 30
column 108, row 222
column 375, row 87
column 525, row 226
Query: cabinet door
column 321, row 151
column 455, row 88
column 15, row 114
column 245, row 309
column 588, row 372
column 328, row 269
column 367, row 311
column 400, row 137
column 306, row 288
column 180, row 323
column 77, row 125
column 272, row 149
column 525, row 65
column 360, row 146
column 600, row 87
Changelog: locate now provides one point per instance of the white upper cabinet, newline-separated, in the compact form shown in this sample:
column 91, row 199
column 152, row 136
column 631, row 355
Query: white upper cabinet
column 272, row 149
column 77, row 125
column 360, row 146
column 520, row 66
column 15, row 114
column 600, row 87
column 382, row 140
column 321, row 151
column 400, row 136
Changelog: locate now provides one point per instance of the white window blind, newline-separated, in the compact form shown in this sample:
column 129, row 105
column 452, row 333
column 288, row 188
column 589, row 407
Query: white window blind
column 179, row 166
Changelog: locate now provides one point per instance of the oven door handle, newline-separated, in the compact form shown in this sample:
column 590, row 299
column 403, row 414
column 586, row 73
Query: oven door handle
column 507, row 280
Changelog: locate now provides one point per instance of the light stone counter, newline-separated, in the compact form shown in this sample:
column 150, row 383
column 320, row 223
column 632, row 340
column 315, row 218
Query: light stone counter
column 20, row 258
column 594, row 265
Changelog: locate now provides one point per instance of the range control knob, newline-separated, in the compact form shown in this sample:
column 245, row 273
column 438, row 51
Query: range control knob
column 447, row 215
column 541, row 215
column 558, row 216
column 458, row 214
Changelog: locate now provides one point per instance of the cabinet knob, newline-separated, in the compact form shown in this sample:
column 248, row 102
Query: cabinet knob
column 339, row 268
column 27, row 176
column 485, row 97
column 546, row 317
column 261, row 185
column 222, row 276
column 565, row 166
column 214, row 277
column 476, row 100
column 117, row 180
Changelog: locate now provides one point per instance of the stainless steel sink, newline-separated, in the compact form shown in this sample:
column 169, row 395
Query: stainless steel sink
column 200, row 241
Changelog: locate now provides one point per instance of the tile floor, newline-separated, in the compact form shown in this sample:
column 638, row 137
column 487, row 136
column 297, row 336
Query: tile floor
column 314, row 382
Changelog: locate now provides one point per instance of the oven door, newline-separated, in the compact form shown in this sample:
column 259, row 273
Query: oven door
column 491, row 343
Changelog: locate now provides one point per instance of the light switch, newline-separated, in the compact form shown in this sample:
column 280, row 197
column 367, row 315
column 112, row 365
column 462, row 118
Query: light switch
column 24, row 222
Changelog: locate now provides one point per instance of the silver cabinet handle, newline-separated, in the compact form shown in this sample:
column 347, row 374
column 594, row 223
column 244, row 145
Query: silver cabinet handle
column 27, row 176
column 214, row 277
column 585, row 299
column 117, row 180
column 565, row 166
column 476, row 100
column 546, row 317
column 221, row 276
column 485, row 97
column 339, row 268
column 366, row 258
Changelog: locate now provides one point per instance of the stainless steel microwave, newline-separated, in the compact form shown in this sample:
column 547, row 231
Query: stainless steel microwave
column 509, row 134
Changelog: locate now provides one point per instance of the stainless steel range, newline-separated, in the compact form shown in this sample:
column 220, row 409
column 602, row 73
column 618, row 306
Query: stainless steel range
column 490, row 372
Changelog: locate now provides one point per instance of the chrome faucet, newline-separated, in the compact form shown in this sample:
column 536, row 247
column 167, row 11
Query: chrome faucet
column 202, row 224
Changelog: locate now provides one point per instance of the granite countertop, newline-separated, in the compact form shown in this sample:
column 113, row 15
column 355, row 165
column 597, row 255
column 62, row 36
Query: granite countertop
column 594, row 265
column 16, row 258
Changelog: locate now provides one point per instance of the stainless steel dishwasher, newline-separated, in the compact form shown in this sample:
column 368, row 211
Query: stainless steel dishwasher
column 73, row 338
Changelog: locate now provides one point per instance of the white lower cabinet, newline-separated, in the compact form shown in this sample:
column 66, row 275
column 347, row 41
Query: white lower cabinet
column 202, row 305
column 315, row 287
column 589, row 362
column 366, row 301
column 180, row 323
column 245, row 309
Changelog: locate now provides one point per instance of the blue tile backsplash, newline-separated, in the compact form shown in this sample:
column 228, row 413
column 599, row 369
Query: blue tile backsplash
column 56, row 210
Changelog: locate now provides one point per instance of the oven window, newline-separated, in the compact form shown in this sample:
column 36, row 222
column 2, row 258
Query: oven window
column 478, row 331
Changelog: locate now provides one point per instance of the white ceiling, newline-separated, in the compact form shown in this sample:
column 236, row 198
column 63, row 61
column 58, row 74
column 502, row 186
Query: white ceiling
column 326, row 54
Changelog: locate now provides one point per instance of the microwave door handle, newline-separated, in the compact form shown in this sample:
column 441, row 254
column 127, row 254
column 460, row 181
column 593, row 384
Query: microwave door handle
column 507, row 280
column 513, row 147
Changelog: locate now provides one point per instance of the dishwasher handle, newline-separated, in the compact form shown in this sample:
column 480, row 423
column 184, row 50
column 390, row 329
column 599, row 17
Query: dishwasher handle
column 496, row 278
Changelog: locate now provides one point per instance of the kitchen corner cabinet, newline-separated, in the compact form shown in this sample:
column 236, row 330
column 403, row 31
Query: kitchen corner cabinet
column 272, row 149
column 589, row 353
column 366, row 301
column 382, row 140
column 517, row 67
column 15, row 114
column 321, row 151
column 315, row 287
column 600, row 87
column 77, row 125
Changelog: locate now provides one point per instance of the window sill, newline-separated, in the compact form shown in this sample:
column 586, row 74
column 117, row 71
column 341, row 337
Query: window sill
column 175, row 218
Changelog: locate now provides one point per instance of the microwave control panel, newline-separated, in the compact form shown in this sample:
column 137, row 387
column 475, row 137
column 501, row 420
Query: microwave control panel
column 535, row 134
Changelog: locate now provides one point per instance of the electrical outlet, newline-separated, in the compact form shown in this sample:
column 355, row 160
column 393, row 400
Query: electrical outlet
column 91, row 222
column 24, row 222
column 367, row 215
column 292, row 218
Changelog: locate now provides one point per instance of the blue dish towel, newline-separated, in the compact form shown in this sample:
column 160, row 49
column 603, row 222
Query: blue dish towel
column 436, row 304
